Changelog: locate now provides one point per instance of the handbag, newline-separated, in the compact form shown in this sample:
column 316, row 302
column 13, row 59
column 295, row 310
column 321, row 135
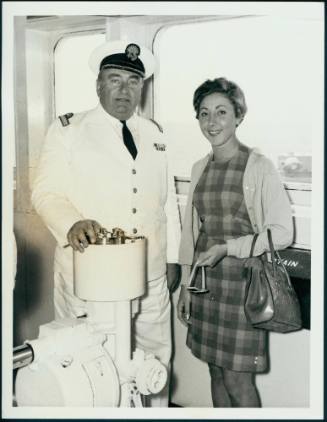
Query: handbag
column 270, row 302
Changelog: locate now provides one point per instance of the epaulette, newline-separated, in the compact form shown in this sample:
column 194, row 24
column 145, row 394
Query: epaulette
column 157, row 124
column 64, row 119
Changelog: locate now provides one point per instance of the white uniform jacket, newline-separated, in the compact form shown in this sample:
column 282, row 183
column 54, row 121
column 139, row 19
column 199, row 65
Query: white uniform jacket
column 86, row 172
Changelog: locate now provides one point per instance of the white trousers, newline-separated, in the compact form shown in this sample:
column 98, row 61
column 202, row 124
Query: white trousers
column 152, row 330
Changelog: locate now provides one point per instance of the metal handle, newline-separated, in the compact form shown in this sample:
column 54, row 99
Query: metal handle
column 116, row 237
column 23, row 355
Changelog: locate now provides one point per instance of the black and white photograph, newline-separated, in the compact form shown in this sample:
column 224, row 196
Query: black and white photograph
column 162, row 210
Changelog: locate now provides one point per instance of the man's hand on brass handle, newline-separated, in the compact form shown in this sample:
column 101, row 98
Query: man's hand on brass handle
column 82, row 233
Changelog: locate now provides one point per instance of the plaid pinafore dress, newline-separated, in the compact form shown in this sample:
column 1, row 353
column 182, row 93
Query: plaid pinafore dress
column 219, row 332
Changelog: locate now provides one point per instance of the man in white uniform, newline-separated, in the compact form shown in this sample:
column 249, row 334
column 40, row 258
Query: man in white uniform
column 107, row 167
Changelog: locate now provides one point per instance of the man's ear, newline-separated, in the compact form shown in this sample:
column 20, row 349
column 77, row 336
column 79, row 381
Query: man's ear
column 98, row 87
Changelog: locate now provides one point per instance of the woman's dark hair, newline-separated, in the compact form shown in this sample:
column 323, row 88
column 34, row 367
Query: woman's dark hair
column 223, row 86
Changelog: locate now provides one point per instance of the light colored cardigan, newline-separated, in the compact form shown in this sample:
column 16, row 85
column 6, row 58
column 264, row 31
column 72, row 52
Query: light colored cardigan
column 267, row 204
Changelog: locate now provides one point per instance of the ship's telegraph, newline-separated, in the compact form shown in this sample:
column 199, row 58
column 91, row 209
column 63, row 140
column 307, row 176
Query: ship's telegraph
column 111, row 269
column 88, row 361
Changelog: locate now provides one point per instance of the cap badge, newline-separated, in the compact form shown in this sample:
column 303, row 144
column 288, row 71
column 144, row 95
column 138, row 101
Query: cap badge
column 132, row 51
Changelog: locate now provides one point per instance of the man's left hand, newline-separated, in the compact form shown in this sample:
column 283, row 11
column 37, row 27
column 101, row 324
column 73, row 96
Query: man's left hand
column 173, row 276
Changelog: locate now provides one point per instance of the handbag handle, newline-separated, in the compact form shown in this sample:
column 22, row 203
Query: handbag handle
column 275, row 255
column 253, row 243
column 272, row 250
column 271, row 247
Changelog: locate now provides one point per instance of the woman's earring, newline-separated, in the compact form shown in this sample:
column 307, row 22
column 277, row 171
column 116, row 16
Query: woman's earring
column 237, row 124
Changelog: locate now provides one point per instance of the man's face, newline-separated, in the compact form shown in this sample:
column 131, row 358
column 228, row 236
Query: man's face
column 119, row 92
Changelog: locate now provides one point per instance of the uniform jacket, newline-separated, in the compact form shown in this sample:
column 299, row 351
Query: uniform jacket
column 266, row 202
column 86, row 172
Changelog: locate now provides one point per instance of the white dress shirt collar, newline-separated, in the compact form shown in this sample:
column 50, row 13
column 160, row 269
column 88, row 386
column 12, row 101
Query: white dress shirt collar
column 131, row 123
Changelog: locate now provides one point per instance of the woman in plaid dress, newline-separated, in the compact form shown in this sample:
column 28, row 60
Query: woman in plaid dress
column 234, row 193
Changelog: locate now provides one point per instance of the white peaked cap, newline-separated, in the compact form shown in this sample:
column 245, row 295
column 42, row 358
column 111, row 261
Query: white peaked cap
column 118, row 47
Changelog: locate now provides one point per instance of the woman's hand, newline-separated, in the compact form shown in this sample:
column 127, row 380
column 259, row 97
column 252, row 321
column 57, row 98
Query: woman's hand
column 184, row 306
column 212, row 255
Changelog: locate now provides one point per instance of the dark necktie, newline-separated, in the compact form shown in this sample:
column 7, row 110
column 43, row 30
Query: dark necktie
column 128, row 140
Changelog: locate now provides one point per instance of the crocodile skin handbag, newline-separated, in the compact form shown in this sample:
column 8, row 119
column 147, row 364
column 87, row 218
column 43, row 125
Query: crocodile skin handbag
column 270, row 299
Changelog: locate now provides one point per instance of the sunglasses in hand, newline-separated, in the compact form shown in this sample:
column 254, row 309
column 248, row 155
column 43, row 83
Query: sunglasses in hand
column 195, row 289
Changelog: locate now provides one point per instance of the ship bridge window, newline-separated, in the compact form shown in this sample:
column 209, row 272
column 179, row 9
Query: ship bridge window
column 279, row 65
column 75, row 89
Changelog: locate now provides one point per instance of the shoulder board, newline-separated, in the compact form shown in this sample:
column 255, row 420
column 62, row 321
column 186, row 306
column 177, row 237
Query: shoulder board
column 157, row 124
column 64, row 119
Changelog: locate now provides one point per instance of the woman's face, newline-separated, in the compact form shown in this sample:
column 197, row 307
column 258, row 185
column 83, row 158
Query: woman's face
column 217, row 119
